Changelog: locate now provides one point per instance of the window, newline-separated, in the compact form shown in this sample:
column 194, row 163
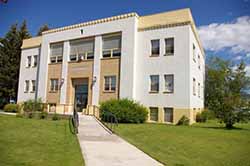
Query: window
column 169, row 46
column 81, row 49
column 52, row 107
column 26, row 86
column 56, row 53
column 35, row 61
column 199, row 90
column 155, row 47
column 54, row 85
column 111, row 46
column 199, row 62
column 194, row 87
column 168, row 115
column 194, row 56
column 33, row 82
column 110, row 83
column 169, row 83
column 153, row 114
column 28, row 61
column 154, row 83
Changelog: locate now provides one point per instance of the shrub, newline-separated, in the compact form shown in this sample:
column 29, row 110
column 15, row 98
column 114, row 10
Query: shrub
column 125, row 110
column 183, row 121
column 33, row 105
column 55, row 117
column 204, row 116
column 43, row 115
column 10, row 108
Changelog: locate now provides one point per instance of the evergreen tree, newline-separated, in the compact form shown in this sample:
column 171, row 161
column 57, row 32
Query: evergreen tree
column 43, row 28
column 10, row 53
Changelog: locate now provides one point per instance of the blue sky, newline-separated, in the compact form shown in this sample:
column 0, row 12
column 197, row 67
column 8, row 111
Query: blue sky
column 224, row 25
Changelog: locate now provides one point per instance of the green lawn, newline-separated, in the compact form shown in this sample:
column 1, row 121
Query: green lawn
column 37, row 142
column 205, row 144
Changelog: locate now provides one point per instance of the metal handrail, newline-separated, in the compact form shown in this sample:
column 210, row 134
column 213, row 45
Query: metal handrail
column 109, row 120
column 74, row 122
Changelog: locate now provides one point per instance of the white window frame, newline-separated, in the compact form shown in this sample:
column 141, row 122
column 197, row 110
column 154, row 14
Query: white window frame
column 111, row 50
column 26, row 86
column 172, row 116
column 194, row 53
column 150, row 115
column 165, row 81
column 109, row 78
column 169, row 54
column 199, row 90
column 159, row 49
column 33, row 85
column 35, row 57
column 150, row 83
column 56, row 56
column 194, row 86
column 54, row 87
column 29, row 61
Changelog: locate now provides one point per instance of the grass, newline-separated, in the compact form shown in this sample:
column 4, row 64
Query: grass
column 37, row 142
column 207, row 144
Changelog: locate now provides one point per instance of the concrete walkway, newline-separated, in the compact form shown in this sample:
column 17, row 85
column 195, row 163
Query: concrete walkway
column 100, row 148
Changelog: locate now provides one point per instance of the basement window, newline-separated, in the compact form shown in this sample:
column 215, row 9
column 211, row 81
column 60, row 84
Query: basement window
column 153, row 114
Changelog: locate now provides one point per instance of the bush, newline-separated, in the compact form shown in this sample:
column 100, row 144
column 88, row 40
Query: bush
column 183, row 121
column 125, row 110
column 10, row 108
column 204, row 116
column 55, row 117
column 43, row 115
column 33, row 105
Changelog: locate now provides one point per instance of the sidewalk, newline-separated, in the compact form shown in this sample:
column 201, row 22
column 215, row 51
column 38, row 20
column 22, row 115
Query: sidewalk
column 100, row 148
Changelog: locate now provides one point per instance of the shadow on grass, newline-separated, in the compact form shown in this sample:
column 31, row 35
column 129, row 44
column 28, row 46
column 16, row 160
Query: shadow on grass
column 221, row 128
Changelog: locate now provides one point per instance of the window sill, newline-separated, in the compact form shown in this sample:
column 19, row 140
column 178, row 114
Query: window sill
column 108, row 91
column 166, row 92
column 153, row 92
column 34, row 66
column 53, row 91
column 27, row 67
column 86, row 60
column 32, row 91
column 106, row 58
column 168, row 54
column 154, row 55
column 25, row 92
column 57, row 63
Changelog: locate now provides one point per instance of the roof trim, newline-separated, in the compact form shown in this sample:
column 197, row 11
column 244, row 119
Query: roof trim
column 103, row 20
column 32, row 42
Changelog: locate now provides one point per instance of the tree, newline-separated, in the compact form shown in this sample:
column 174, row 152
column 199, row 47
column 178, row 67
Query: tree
column 43, row 28
column 223, row 91
column 10, row 53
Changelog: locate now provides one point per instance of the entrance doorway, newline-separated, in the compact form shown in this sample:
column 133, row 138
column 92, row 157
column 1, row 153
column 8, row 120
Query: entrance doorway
column 81, row 95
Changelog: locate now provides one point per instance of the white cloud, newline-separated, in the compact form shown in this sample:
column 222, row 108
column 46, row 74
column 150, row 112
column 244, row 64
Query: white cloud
column 234, row 35
column 248, row 55
column 248, row 70
column 238, row 57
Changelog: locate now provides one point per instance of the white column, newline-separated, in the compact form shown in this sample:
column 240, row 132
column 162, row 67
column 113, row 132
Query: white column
column 96, row 70
column 64, row 76
column 43, row 71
